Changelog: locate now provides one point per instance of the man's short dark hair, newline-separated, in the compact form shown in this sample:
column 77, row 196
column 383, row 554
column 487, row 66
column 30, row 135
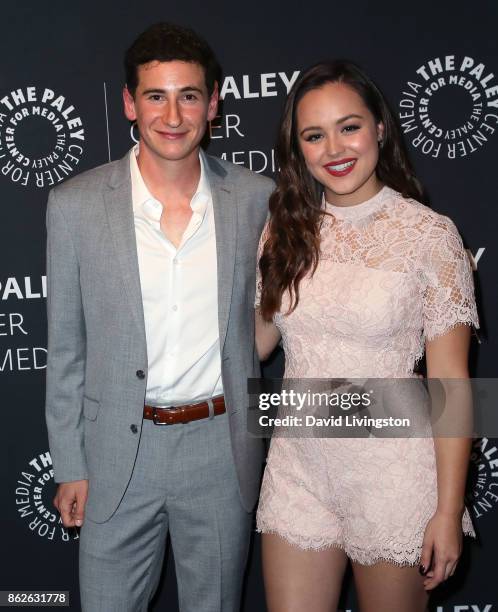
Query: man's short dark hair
column 167, row 42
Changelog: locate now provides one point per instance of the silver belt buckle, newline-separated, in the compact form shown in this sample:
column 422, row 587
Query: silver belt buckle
column 155, row 417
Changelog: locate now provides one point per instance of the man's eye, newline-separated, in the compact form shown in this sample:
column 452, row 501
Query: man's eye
column 190, row 97
column 313, row 137
column 156, row 97
column 350, row 128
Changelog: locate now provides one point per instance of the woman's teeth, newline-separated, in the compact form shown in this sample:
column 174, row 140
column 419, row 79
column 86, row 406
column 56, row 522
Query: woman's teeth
column 341, row 167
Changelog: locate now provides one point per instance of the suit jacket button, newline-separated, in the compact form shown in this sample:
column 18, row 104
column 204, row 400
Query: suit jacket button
column 133, row 428
column 140, row 374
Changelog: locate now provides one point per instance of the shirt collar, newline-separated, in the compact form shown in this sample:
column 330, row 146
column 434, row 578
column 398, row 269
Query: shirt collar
column 144, row 201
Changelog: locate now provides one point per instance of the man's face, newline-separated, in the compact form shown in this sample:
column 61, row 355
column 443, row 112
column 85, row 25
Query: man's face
column 171, row 107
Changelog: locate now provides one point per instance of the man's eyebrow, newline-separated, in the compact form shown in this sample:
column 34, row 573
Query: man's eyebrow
column 191, row 88
column 341, row 120
column 159, row 90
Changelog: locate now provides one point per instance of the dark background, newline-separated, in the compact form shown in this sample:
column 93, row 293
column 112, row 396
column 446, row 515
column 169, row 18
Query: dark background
column 76, row 49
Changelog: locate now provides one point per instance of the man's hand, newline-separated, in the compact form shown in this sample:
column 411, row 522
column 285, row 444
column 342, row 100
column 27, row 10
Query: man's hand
column 70, row 501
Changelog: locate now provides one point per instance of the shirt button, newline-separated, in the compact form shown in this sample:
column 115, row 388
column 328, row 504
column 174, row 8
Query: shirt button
column 140, row 374
column 133, row 428
column 175, row 261
column 175, row 307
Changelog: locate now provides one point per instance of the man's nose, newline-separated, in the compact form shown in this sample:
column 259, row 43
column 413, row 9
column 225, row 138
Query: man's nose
column 172, row 115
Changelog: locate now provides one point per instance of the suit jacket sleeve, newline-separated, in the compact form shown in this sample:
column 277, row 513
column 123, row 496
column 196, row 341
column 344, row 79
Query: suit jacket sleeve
column 66, row 349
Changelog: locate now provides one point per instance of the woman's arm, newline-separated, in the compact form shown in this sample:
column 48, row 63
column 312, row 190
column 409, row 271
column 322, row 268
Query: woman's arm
column 267, row 336
column 447, row 358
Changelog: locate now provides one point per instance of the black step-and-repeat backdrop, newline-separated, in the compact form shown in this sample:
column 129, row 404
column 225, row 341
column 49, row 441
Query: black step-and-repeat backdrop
column 61, row 113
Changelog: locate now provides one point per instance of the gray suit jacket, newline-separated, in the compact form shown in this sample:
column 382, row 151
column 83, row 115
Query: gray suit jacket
column 96, row 333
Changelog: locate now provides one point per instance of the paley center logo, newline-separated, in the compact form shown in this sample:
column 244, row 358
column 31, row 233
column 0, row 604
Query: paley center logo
column 35, row 490
column 482, row 493
column 449, row 107
column 41, row 137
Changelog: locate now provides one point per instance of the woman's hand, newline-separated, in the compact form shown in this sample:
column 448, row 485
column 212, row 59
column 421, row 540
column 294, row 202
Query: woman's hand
column 441, row 548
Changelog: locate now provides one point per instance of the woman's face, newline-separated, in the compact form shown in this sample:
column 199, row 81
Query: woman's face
column 339, row 140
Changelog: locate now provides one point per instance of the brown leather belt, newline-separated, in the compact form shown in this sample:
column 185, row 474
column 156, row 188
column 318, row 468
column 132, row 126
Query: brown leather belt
column 184, row 414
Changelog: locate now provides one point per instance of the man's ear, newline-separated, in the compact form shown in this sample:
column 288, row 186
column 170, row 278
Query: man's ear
column 213, row 102
column 129, row 104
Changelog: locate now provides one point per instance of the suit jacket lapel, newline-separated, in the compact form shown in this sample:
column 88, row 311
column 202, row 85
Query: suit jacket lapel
column 119, row 207
column 225, row 220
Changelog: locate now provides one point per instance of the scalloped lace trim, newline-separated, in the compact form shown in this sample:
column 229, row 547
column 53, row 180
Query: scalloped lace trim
column 400, row 558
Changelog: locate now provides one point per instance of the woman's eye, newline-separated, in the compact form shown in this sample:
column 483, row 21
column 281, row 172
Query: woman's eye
column 350, row 128
column 313, row 137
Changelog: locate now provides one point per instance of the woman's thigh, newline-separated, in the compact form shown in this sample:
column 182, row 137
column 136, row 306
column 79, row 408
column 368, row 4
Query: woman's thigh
column 298, row 579
column 390, row 588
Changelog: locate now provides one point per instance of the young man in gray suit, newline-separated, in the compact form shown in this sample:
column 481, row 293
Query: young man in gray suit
column 151, row 272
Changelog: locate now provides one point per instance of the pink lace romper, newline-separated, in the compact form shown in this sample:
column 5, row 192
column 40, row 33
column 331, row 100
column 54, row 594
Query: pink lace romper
column 392, row 274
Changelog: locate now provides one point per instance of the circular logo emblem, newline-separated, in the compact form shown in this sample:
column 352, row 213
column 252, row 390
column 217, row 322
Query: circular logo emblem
column 35, row 490
column 41, row 137
column 449, row 108
column 482, row 491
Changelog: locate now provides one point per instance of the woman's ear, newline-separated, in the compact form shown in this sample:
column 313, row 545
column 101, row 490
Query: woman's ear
column 380, row 134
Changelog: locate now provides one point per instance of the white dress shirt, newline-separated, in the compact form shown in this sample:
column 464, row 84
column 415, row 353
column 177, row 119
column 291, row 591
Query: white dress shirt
column 180, row 297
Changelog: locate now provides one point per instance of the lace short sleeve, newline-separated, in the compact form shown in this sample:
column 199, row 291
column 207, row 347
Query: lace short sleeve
column 259, row 287
column 447, row 280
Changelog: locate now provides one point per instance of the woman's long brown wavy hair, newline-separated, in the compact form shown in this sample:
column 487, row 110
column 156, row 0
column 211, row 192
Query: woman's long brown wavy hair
column 292, row 246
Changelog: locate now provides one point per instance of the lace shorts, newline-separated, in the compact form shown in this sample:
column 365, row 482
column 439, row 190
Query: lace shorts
column 370, row 497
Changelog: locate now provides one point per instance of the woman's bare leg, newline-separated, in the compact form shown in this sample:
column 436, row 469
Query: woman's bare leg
column 300, row 580
column 390, row 588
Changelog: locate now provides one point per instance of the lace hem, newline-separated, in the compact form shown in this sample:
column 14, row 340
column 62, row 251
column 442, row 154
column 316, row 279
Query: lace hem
column 401, row 558
column 444, row 329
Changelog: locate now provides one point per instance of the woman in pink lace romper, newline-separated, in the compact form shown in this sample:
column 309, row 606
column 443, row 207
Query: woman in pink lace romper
column 358, row 279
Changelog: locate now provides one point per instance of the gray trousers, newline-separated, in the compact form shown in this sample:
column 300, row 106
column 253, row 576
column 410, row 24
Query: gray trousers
column 184, row 482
